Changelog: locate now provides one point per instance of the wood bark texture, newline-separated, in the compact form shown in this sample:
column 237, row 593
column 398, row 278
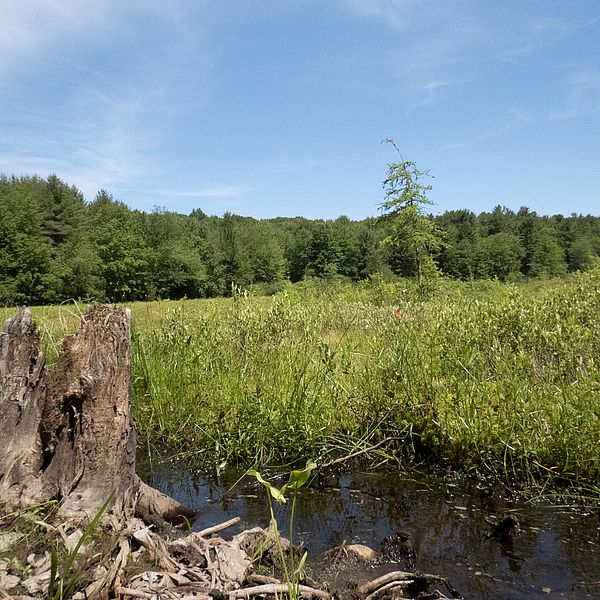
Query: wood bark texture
column 22, row 391
column 68, row 431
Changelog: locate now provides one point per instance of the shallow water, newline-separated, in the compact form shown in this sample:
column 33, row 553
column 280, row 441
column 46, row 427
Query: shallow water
column 556, row 554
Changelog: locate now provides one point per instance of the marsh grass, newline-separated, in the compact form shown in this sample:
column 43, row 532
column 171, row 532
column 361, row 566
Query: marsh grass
column 37, row 536
column 65, row 573
column 482, row 376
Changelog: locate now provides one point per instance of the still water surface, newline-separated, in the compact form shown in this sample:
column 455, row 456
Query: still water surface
column 556, row 553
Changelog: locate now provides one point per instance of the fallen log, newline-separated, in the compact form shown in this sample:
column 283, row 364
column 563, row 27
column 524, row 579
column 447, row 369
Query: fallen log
column 67, row 429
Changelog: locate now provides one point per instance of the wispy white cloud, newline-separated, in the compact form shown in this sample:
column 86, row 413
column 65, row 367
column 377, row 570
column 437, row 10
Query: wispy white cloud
column 578, row 95
column 429, row 92
column 396, row 13
column 217, row 191
column 513, row 120
column 441, row 44
column 100, row 142
column 435, row 40
column 29, row 29
column 581, row 95
column 529, row 35
column 580, row 98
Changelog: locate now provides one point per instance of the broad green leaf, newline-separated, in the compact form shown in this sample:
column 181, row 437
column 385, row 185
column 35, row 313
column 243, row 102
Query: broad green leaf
column 299, row 477
column 275, row 492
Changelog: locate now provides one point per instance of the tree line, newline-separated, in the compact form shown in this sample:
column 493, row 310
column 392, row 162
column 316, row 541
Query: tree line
column 55, row 246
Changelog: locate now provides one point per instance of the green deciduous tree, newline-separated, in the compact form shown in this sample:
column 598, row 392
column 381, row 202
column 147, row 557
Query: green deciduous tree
column 324, row 251
column 457, row 257
column 176, row 267
column 54, row 246
column 547, row 258
column 581, row 254
column 26, row 261
column 264, row 253
column 499, row 255
column 120, row 246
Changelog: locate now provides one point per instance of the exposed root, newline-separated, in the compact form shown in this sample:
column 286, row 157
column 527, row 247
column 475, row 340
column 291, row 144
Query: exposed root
column 413, row 585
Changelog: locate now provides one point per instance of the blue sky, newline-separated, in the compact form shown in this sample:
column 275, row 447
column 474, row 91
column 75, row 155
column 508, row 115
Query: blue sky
column 277, row 107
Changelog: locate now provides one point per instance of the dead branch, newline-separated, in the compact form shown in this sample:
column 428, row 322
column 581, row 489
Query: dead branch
column 342, row 459
column 217, row 528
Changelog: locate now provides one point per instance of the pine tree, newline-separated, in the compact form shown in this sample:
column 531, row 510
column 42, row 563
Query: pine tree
column 409, row 227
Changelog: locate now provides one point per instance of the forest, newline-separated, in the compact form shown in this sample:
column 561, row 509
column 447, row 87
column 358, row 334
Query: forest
column 55, row 246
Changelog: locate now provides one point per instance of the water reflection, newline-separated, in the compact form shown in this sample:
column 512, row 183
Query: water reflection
column 556, row 554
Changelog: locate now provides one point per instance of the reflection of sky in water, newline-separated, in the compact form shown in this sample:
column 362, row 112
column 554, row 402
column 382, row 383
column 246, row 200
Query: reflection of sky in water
column 558, row 550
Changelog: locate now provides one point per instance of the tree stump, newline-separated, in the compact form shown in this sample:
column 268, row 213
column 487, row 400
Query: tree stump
column 67, row 429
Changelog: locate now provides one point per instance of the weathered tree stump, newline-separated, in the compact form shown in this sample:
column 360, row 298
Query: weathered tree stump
column 67, row 430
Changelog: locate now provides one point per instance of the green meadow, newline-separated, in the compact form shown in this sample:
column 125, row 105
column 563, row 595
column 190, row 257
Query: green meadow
column 482, row 377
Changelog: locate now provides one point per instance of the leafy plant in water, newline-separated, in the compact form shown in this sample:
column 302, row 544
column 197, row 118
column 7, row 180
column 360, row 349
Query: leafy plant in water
column 297, row 479
column 64, row 580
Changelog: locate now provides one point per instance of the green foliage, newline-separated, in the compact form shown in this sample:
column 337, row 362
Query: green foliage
column 124, row 256
column 176, row 269
column 409, row 228
column 55, row 247
column 484, row 376
column 324, row 252
column 297, row 479
column 547, row 258
column 580, row 254
column 457, row 257
column 499, row 255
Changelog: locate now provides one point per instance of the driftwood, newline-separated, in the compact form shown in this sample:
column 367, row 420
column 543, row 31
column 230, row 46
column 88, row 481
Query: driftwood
column 220, row 527
column 67, row 429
